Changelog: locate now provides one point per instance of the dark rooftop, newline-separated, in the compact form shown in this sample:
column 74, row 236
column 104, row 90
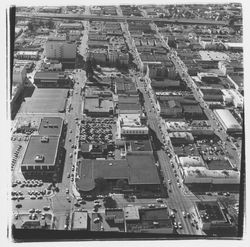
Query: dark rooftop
column 212, row 209
column 36, row 147
column 142, row 169
column 142, row 145
column 219, row 165
column 137, row 168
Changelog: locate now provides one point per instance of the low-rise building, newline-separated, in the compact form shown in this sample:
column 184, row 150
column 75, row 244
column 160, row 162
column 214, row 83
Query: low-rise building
column 98, row 106
column 213, row 216
column 227, row 120
column 138, row 170
column 50, row 79
column 80, row 220
column 71, row 26
column 74, row 35
column 27, row 55
column 181, row 137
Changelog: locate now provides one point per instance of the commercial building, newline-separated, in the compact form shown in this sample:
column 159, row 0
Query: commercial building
column 151, row 220
column 139, row 146
column 40, row 155
column 74, row 35
column 195, row 173
column 232, row 67
column 130, row 124
column 59, row 48
column 138, row 170
column 238, row 47
column 213, row 216
column 227, row 120
column 167, row 83
column 43, row 154
column 129, row 105
column 98, row 106
column 232, row 96
column 43, row 101
column 193, row 111
column 19, row 74
column 181, row 137
column 28, row 55
column 50, row 126
column 71, row 26
column 50, row 9
column 80, row 221
column 170, row 109
column 211, row 94
column 125, row 86
column 49, row 79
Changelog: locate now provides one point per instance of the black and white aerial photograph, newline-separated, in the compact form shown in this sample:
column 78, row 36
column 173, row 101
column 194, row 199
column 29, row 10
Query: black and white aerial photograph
column 126, row 121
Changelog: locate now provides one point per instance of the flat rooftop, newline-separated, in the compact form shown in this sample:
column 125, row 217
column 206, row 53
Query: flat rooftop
column 50, row 126
column 43, row 101
column 212, row 209
column 80, row 220
column 219, row 165
column 138, row 169
column 36, row 147
column 213, row 55
column 142, row 145
column 92, row 105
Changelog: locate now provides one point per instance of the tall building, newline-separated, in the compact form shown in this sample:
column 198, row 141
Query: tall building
column 59, row 48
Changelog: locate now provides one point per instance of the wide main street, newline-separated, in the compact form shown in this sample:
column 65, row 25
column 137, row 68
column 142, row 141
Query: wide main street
column 177, row 199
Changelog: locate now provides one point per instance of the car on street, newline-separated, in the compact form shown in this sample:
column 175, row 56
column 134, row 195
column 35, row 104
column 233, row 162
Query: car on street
column 180, row 225
column 67, row 191
column 159, row 199
column 175, row 225
column 70, row 155
column 46, row 208
column 184, row 214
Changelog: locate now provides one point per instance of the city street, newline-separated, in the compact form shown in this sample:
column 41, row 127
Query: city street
column 177, row 199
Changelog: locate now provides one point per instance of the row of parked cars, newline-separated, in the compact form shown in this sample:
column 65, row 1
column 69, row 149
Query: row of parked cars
column 28, row 183
column 15, row 156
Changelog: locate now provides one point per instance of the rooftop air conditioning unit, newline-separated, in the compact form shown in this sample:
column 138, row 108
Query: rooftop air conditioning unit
column 39, row 158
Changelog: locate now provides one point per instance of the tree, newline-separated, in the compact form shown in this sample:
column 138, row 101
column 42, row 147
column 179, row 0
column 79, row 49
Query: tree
column 121, row 183
column 109, row 202
column 100, row 184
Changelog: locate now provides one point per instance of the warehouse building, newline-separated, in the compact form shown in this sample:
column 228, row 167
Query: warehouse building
column 227, row 120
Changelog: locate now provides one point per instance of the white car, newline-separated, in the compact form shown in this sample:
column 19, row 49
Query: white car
column 96, row 220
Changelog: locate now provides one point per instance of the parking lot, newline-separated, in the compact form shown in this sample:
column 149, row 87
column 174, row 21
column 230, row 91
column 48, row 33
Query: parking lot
column 97, row 130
